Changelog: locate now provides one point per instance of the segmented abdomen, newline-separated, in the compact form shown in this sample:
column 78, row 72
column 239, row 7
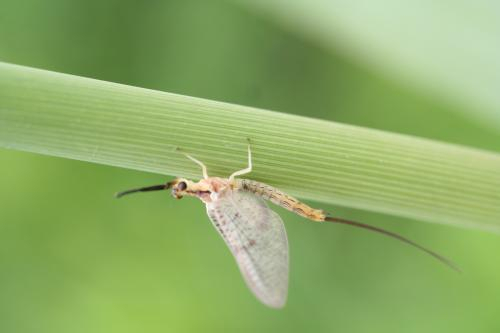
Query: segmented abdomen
column 280, row 198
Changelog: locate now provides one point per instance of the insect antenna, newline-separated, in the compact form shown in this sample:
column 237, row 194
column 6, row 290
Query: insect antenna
column 439, row 257
column 143, row 189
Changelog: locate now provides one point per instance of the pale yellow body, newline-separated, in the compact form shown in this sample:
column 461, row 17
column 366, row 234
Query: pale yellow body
column 209, row 189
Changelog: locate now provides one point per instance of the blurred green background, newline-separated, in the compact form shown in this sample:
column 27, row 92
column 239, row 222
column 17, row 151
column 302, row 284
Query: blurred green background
column 73, row 259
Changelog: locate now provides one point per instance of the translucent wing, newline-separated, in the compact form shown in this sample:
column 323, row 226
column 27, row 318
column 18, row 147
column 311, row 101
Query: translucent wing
column 257, row 238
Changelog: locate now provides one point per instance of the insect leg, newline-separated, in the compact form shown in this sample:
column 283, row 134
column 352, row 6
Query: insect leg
column 203, row 167
column 248, row 169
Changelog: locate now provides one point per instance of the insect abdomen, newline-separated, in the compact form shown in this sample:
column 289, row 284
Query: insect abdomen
column 280, row 198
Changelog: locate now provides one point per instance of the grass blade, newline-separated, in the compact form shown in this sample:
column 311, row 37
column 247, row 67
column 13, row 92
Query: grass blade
column 102, row 122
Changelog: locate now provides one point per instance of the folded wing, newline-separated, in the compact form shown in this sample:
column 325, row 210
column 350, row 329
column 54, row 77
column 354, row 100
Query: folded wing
column 257, row 238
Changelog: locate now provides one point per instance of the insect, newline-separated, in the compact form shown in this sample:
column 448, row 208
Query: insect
column 253, row 232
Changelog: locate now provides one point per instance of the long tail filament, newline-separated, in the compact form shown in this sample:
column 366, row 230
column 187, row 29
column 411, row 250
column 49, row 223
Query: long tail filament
column 439, row 257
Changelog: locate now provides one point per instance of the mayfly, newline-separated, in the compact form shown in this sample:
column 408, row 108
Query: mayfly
column 253, row 232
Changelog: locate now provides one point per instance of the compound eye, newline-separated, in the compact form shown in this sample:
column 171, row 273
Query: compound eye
column 181, row 186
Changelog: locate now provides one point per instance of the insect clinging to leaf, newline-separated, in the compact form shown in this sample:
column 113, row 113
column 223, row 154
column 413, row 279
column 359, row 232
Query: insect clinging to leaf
column 254, row 233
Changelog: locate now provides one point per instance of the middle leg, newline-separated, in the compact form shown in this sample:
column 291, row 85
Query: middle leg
column 248, row 169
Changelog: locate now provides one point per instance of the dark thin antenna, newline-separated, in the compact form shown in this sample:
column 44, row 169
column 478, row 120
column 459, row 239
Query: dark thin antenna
column 143, row 189
column 439, row 257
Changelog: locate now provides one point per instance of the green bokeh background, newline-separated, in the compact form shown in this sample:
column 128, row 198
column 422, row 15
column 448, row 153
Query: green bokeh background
column 73, row 259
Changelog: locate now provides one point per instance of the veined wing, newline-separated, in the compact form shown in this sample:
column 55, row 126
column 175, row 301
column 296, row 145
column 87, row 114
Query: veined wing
column 257, row 238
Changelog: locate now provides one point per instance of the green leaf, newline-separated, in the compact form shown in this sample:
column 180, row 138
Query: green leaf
column 445, row 49
column 102, row 122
